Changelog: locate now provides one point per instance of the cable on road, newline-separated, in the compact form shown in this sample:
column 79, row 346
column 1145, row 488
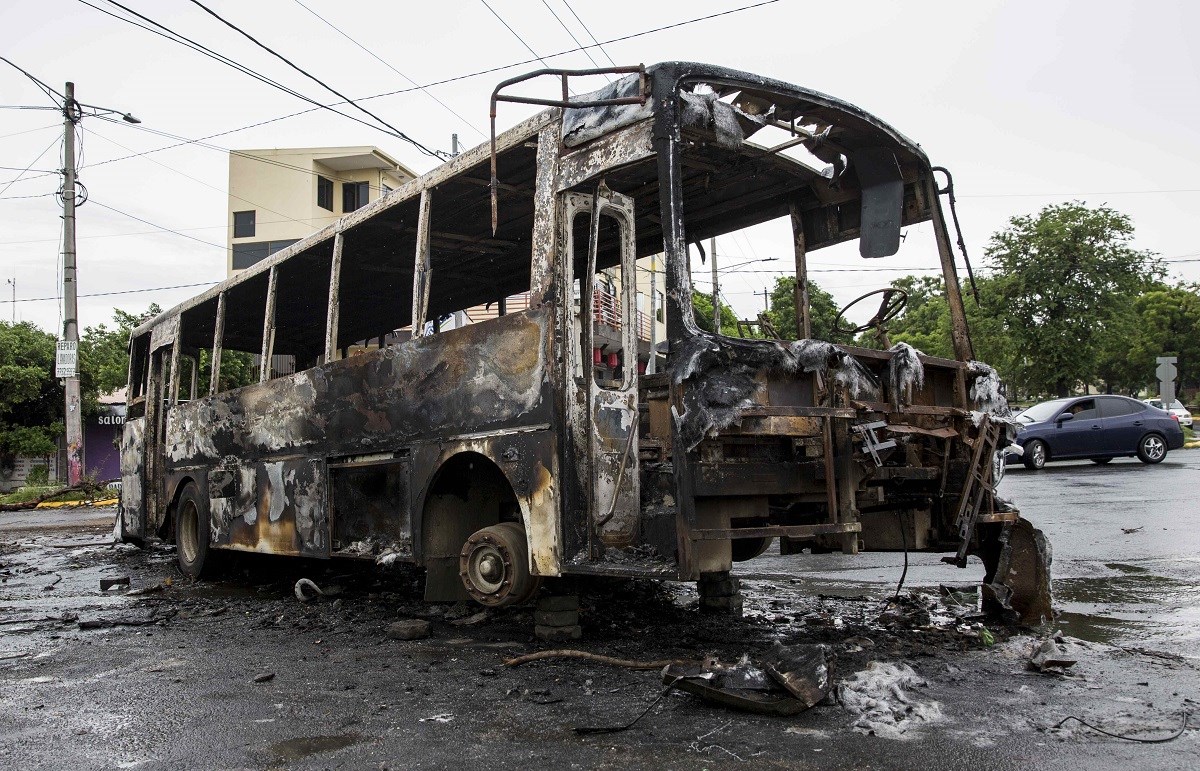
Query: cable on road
column 1158, row 740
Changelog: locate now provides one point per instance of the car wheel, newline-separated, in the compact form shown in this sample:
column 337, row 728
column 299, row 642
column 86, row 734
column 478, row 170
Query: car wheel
column 1035, row 455
column 1152, row 449
column 1100, row 461
column 191, row 533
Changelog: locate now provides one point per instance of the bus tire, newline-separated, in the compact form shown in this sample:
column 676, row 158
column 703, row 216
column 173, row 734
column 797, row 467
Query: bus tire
column 746, row 549
column 192, row 532
column 494, row 566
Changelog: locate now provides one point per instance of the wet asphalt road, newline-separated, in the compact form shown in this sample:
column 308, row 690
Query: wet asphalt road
column 177, row 689
column 1111, row 586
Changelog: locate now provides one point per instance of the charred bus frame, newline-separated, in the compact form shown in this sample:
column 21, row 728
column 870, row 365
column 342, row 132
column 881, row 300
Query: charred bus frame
column 492, row 454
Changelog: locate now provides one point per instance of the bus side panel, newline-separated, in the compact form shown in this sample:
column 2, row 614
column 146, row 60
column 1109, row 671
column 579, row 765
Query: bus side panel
column 275, row 507
column 133, row 469
column 482, row 377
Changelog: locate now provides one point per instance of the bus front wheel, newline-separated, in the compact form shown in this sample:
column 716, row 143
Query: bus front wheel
column 494, row 566
column 191, row 532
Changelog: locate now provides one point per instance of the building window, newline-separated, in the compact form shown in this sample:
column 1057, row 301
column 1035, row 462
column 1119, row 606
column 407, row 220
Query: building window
column 325, row 193
column 354, row 195
column 248, row 254
column 243, row 224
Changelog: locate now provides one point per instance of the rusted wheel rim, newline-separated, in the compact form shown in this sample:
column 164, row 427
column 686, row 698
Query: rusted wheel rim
column 494, row 568
column 187, row 537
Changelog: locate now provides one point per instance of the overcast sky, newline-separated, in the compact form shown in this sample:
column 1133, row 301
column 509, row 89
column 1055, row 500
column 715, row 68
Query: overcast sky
column 1028, row 103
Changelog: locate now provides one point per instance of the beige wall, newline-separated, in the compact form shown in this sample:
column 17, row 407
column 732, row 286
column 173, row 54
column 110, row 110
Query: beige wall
column 281, row 189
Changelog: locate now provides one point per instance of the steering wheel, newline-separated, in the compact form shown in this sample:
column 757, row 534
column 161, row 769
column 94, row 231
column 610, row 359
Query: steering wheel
column 890, row 305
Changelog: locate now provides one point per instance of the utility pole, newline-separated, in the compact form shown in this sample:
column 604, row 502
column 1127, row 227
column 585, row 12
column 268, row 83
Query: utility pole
column 766, row 300
column 73, row 416
column 712, row 247
column 13, row 282
column 454, row 145
column 67, row 359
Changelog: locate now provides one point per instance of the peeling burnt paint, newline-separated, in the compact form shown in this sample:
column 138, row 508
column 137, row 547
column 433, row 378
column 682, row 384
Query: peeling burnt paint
column 133, row 448
column 719, row 375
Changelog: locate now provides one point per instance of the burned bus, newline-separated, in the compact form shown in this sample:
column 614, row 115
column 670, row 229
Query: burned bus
column 536, row 443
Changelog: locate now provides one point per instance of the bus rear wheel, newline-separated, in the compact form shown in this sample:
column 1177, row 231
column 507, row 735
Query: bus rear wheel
column 191, row 533
column 494, row 566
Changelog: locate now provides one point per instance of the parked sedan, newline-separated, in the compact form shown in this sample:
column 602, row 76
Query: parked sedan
column 1177, row 409
column 1096, row 427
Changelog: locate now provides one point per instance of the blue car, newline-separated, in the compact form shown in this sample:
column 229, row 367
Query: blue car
column 1099, row 428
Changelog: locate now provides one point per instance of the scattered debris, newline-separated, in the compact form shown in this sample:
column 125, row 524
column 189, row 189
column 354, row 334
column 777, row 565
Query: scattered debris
column 877, row 695
column 108, row 583
column 574, row 654
column 478, row 618
column 304, row 586
column 409, row 629
column 1052, row 656
column 265, row 677
column 445, row 717
column 1132, row 530
column 146, row 590
column 1156, row 740
column 790, row 680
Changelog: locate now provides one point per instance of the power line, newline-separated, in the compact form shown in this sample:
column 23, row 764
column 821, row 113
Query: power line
column 585, row 29
column 54, row 95
column 1078, row 195
column 372, row 54
column 202, row 182
column 107, row 294
column 513, row 31
column 315, row 79
column 562, row 24
column 222, row 247
column 431, row 84
column 30, row 166
column 207, row 146
column 31, row 131
column 175, row 37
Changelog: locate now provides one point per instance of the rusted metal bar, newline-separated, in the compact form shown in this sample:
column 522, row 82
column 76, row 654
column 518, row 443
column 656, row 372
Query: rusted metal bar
column 268, row 342
column 640, row 69
column 214, row 378
column 421, row 271
column 959, row 335
column 785, row 531
column 333, row 309
column 176, row 352
column 803, row 315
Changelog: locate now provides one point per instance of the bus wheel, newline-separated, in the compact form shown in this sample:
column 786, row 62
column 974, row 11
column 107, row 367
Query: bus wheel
column 494, row 566
column 746, row 549
column 191, row 532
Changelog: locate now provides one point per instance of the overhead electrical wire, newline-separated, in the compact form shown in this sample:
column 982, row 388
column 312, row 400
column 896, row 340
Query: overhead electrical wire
column 54, row 95
column 567, row 29
column 202, row 182
column 222, row 247
column 400, row 134
column 200, row 48
column 107, row 294
column 431, row 84
column 30, row 166
column 387, row 64
column 513, row 31
column 589, row 31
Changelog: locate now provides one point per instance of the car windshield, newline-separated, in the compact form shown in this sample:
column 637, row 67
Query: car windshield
column 1177, row 405
column 1044, row 411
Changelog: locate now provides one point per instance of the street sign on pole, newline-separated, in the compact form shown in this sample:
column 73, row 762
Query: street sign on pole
column 66, row 359
column 1166, row 373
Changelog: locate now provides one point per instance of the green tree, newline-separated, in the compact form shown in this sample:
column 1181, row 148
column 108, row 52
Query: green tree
column 237, row 370
column 104, row 354
column 821, row 309
column 1058, row 274
column 702, row 311
column 1168, row 323
column 31, row 400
